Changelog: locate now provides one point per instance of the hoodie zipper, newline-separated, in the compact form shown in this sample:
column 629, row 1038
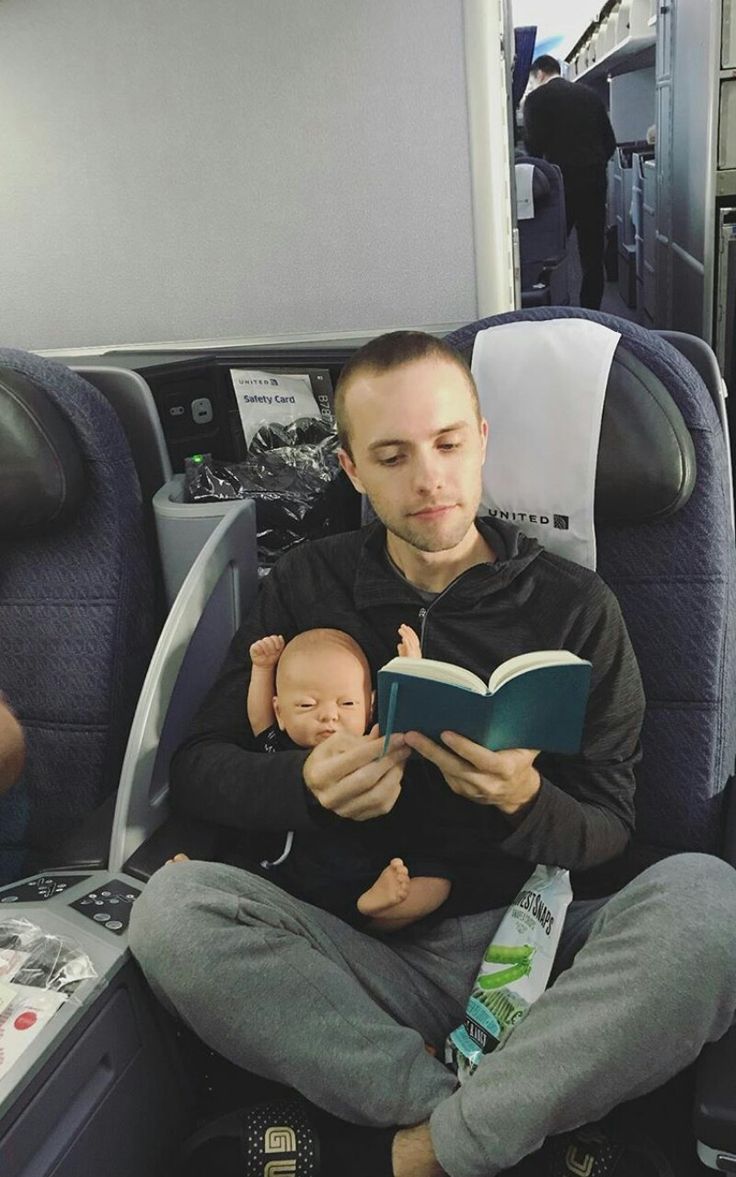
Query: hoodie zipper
column 424, row 611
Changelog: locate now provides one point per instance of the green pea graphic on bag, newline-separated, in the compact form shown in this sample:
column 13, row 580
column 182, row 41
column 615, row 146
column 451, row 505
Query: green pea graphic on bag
column 514, row 970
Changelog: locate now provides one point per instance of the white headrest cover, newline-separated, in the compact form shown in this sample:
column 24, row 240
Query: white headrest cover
column 541, row 387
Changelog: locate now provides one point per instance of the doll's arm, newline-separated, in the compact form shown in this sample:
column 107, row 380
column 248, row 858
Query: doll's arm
column 264, row 654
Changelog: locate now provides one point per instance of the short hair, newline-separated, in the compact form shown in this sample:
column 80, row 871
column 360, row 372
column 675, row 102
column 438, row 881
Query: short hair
column 546, row 65
column 389, row 351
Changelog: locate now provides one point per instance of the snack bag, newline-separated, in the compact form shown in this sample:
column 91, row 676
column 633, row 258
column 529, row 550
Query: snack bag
column 514, row 970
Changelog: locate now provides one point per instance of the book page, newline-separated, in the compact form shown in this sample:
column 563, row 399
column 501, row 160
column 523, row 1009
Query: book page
column 436, row 671
column 524, row 662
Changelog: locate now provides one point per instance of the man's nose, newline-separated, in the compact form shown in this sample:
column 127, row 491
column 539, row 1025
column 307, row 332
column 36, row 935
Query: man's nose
column 428, row 475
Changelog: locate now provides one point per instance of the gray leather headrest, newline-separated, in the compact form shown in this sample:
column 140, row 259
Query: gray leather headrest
column 646, row 459
column 41, row 470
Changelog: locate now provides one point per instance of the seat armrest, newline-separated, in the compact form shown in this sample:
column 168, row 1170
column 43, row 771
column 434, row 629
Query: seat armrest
column 177, row 835
column 209, row 607
column 729, row 824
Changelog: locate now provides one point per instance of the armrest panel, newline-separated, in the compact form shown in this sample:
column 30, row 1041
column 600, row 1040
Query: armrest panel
column 714, row 1116
column 207, row 612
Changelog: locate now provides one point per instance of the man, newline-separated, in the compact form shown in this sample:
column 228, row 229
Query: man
column 567, row 124
column 12, row 748
column 293, row 993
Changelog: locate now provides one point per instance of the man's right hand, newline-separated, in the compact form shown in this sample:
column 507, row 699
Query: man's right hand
column 350, row 776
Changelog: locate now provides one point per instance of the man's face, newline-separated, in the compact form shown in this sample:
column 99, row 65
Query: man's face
column 320, row 695
column 417, row 451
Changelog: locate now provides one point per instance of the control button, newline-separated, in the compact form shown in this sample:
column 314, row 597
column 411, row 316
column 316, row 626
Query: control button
column 92, row 895
column 9, row 899
column 99, row 902
column 114, row 926
column 101, row 916
column 202, row 410
column 114, row 901
column 84, row 902
column 105, row 894
column 131, row 897
column 176, row 411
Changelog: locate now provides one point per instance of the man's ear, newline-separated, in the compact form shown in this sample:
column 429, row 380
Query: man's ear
column 348, row 466
column 277, row 713
column 483, row 438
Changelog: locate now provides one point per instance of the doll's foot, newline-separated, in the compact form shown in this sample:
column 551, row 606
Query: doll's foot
column 390, row 888
column 179, row 858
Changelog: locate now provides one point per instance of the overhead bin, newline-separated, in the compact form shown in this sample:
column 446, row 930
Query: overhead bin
column 628, row 28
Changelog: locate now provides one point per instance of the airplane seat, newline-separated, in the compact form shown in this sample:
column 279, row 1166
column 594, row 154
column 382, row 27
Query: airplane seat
column 672, row 566
column 543, row 237
column 674, row 574
column 101, row 707
column 76, row 618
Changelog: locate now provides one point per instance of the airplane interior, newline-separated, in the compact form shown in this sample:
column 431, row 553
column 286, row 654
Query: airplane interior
column 207, row 210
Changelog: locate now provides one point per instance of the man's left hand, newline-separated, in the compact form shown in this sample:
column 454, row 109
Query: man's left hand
column 507, row 779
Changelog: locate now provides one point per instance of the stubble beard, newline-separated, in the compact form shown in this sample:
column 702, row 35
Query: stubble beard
column 422, row 539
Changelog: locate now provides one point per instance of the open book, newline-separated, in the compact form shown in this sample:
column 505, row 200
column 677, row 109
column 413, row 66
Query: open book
column 535, row 700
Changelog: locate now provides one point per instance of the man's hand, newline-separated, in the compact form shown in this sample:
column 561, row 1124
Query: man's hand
column 12, row 748
column 348, row 774
column 507, row 780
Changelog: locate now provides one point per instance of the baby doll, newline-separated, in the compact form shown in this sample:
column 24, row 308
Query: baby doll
column 305, row 691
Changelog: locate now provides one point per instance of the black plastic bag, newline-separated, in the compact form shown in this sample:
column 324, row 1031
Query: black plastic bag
column 290, row 473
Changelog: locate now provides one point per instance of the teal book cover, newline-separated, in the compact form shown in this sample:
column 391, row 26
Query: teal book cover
column 542, row 706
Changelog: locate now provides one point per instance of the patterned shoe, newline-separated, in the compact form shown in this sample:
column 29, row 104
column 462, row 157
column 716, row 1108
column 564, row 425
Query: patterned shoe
column 596, row 1150
column 267, row 1140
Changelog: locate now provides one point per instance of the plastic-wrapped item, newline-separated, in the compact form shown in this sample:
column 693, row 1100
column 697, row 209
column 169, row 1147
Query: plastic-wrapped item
column 290, row 473
column 515, row 968
column 31, row 957
column 38, row 974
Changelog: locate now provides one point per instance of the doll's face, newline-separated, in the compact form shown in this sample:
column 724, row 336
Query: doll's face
column 320, row 693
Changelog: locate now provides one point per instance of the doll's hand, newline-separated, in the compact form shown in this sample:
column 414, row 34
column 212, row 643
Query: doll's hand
column 409, row 646
column 266, row 652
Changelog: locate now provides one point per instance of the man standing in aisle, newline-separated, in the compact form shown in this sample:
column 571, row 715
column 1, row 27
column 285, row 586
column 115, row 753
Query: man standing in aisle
column 567, row 124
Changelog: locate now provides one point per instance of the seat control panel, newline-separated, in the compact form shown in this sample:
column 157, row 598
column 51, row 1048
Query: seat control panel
column 41, row 888
column 109, row 906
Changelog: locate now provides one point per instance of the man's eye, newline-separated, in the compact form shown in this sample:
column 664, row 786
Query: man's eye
column 394, row 460
column 348, row 703
column 450, row 445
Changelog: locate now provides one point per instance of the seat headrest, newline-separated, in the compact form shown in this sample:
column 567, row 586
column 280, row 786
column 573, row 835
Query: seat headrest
column 540, row 185
column 646, row 459
column 41, row 471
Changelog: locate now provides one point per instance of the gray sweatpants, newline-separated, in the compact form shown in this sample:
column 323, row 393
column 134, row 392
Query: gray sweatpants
column 284, row 989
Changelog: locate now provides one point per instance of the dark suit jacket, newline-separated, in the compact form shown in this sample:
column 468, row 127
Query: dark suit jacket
column 567, row 124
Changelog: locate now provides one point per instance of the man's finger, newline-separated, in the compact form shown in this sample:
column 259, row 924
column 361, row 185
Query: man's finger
column 376, row 801
column 345, row 758
column 444, row 758
column 475, row 754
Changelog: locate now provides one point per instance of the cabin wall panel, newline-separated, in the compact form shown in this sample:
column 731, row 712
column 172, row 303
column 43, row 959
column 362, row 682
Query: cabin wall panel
column 175, row 169
column 632, row 104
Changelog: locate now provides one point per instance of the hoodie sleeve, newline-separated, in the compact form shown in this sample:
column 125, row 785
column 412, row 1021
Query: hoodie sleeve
column 217, row 774
column 584, row 812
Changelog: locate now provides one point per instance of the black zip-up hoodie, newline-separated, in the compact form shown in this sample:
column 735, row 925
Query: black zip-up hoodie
column 528, row 599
